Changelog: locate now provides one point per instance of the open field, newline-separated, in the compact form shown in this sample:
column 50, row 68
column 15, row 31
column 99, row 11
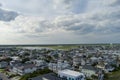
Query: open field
column 62, row 47
column 114, row 76
column 45, row 45
column 56, row 46
column 51, row 47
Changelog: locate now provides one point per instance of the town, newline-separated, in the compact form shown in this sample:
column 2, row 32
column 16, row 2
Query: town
column 84, row 62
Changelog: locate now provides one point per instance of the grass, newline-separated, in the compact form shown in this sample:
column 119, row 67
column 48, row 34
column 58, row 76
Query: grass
column 62, row 47
column 113, row 75
column 35, row 74
column 2, row 70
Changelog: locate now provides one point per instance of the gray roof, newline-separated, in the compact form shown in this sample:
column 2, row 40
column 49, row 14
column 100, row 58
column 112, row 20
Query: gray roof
column 49, row 76
column 26, row 66
column 3, row 62
column 89, row 67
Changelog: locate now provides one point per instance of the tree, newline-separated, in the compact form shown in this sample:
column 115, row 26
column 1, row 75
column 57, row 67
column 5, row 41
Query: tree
column 94, row 77
column 35, row 74
column 25, row 60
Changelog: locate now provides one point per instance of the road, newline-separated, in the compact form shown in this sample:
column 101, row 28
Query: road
column 4, row 77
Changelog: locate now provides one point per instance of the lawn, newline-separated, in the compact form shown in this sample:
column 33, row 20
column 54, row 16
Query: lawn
column 114, row 76
column 2, row 70
column 35, row 74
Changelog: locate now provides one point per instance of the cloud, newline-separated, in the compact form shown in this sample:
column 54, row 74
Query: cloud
column 115, row 3
column 46, row 7
column 97, row 23
column 6, row 15
column 0, row 5
column 64, row 21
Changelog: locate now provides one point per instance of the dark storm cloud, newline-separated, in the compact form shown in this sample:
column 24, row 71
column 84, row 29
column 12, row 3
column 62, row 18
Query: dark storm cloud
column 7, row 15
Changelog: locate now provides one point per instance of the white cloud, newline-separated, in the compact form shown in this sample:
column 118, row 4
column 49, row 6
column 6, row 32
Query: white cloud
column 45, row 7
column 69, row 25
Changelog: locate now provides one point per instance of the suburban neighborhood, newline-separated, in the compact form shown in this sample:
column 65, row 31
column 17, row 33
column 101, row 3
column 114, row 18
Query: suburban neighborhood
column 59, row 39
column 83, row 62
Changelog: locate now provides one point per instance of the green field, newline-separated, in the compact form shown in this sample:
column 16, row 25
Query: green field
column 62, row 47
column 113, row 76
column 2, row 70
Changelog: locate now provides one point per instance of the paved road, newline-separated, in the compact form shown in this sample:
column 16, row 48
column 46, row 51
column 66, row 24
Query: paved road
column 4, row 77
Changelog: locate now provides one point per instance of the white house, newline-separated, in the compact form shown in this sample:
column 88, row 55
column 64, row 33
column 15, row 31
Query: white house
column 15, row 58
column 71, row 75
column 39, row 62
column 24, row 69
column 77, row 60
column 58, row 66
column 89, row 70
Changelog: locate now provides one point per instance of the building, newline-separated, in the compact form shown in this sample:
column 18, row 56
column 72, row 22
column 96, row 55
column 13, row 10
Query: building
column 55, row 67
column 70, row 75
column 105, row 66
column 89, row 70
column 108, row 68
column 15, row 58
column 3, row 64
column 24, row 69
column 76, row 60
column 39, row 62
column 49, row 76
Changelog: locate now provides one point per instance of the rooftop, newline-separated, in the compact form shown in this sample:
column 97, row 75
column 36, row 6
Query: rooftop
column 26, row 66
column 71, row 73
column 49, row 76
column 89, row 67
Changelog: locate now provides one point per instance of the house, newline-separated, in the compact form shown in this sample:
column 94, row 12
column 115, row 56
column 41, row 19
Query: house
column 107, row 67
column 79, row 60
column 24, row 69
column 3, row 64
column 15, row 63
column 41, row 64
column 49, row 76
column 58, row 66
column 70, row 75
column 15, row 58
column 76, row 60
column 94, row 60
column 89, row 70
column 83, row 61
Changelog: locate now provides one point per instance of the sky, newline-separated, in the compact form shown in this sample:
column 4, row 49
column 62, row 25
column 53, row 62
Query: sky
column 59, row 21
